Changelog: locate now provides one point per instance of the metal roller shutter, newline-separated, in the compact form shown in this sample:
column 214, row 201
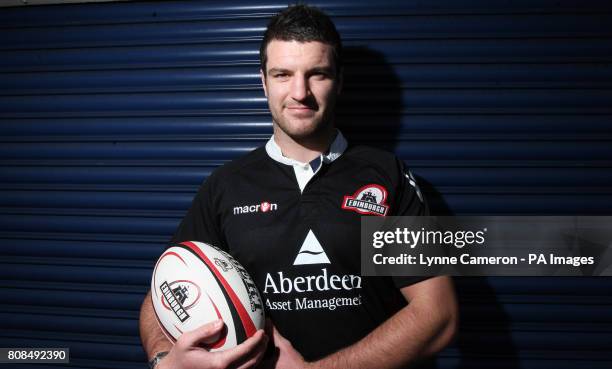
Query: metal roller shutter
column 112, row 114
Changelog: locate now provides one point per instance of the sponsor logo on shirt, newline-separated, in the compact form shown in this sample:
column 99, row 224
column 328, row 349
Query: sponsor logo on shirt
column 311, row 252
column 369, row 199
column 322, row 289
column 263, row 207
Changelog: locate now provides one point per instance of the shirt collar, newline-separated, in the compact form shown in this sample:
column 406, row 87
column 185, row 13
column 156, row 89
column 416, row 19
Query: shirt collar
column 336, row 149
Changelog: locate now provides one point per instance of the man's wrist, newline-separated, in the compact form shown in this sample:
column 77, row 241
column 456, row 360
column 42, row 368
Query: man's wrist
column 157, row 358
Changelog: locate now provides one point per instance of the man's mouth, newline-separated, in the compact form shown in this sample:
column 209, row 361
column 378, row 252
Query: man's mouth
column 300, row 110
column 299, row 107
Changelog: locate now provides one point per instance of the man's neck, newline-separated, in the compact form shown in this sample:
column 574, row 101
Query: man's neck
column 304, row 150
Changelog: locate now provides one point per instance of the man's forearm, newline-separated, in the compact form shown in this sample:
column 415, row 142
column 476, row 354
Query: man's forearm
column 419, row 330
column 152, row 337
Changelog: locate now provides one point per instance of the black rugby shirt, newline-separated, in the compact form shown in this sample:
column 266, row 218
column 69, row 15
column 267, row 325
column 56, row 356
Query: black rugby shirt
column 299, row 238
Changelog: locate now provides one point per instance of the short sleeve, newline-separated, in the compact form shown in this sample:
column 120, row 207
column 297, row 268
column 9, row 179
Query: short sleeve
column 202, row 221
column 410, row 201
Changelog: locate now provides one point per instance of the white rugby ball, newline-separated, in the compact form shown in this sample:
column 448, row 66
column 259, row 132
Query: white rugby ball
column 195, row 283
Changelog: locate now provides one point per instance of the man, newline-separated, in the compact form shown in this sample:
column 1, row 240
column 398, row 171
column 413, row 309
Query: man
column 290, row 213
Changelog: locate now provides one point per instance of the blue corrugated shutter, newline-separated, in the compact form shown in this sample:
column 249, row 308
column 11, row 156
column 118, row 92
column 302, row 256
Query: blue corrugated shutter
column 112, row 114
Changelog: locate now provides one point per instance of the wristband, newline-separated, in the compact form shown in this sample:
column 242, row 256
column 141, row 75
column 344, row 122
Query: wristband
column 157, row 358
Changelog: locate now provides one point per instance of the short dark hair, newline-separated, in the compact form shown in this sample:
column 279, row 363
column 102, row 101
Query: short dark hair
column 302, row 23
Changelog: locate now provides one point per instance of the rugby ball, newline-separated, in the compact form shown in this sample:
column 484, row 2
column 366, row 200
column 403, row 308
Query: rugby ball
column 195, row 283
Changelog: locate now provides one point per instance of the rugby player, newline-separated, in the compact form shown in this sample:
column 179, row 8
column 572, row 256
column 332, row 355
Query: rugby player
column 290, row 213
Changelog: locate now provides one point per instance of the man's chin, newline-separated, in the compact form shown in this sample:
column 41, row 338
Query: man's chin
column 301, row 135
column 299, row 129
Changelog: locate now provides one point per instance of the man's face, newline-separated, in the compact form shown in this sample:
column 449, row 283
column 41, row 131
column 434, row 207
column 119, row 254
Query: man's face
column 301, row 85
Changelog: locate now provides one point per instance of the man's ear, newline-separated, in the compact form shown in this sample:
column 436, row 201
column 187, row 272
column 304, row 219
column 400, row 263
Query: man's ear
column 263, row 81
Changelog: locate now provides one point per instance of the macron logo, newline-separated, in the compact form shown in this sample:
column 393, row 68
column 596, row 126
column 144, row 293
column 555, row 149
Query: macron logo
column 311, row 252
column 264, row 207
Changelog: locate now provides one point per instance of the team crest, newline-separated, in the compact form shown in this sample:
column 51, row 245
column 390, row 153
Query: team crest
column 369, row 199
column 180, row 296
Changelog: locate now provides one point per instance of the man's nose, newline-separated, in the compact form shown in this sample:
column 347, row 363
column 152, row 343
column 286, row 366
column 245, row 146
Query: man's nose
column 299, row 88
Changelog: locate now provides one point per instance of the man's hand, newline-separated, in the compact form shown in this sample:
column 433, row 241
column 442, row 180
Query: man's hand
column 285, row 356
column 189, row 351
column 419, row 330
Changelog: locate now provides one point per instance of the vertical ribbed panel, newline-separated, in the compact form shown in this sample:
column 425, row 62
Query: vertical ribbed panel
column 112, row 114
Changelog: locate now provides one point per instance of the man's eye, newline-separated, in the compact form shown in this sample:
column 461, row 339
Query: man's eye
column 281, row 75
column 319, row 75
